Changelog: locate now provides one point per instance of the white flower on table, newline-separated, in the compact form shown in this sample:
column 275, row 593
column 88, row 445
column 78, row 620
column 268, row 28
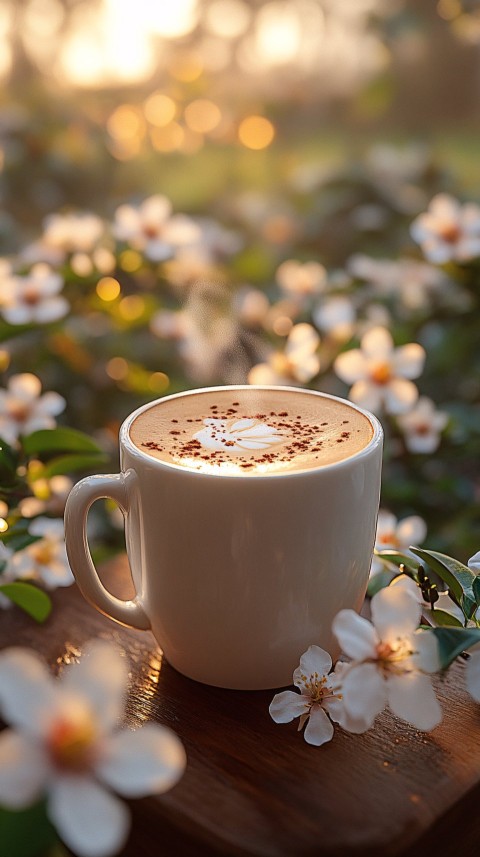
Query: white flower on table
column 396, row 535
column 33, row 298
column 64, row 743
column 381, row 374
column 301, row 279
column 390, row 659
column 46, row 559
column 448, row 230
column 298, row 363
column 23, row 409
column 422, row 426
column 318, row 700
column 152, row 229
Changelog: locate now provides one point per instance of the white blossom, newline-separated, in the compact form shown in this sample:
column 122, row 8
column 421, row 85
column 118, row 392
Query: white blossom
column 390, row 659
column 396, row 535
column 45, row 560
column 413, row 283
column 422, row 426
column 65, row 744
column 336, row 316
column 33, row 298
column 318, row 698
column 381, row 374
column 298, row 363
column 152, row 229
column 448, row 230
column 23, row 409
column 301, row 279
column 64, row 234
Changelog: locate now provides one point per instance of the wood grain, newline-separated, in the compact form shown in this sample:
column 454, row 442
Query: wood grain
column 255, row 788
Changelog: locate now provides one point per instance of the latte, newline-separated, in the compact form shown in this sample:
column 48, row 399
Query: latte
column 251, row 431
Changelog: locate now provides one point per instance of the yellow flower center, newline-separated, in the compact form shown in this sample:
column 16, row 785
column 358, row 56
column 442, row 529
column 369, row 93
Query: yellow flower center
column 316, row 687
column 31, row 296
column 43, row 552
column 71, row 741
column 392, row 655
column 381, row 373
column 19, row 411
column 388, row 539
column 450, row 233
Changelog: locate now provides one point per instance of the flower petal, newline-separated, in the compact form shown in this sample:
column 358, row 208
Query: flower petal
column 319, row 728
column 409, row 360
column 339, row 714
column 377, row 343
column 411, row 697
column 92, row 822
column 27, row 690
column 412, row 531
column 287, row 705
column 395, row 612
column 23, row 770
column 148, row 761
column 474, row 562
column 368, row 395
column 101, row 677
column 399, row 395
column 422, row 443
column 314, row 660
column 364, row 693
column 351, row 366
column 426, row 657
column 355, row 634
column 25, row 385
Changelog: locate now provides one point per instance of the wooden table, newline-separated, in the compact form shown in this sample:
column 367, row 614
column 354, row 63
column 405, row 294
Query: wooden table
column 256, row 788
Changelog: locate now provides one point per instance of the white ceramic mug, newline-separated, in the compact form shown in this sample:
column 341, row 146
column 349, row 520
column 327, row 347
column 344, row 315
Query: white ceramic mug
column 236, row 576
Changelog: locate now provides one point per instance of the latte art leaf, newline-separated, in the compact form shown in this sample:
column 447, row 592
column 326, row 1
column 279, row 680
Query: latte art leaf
column 237, row 435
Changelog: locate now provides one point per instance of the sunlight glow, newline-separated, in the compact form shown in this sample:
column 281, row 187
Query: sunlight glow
column 168, row 18
column 228, row 18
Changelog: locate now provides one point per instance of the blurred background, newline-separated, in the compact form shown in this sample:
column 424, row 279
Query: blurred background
column 208, row 176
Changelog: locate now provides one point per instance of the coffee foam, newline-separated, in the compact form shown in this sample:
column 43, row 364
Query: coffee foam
column 251, row 431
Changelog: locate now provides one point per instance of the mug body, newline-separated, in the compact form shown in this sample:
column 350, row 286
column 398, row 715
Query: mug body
column 239, row 575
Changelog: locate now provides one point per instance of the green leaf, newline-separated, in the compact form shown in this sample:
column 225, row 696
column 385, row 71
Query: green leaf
column 458, row 577
column 29, row 598
column 8, row 463
column 17, row 537
column 379, row 581
column 397, row 558
column 26, row 833
column 72, row 463
column 59, row 440
column 442, row 618
column 453, row 641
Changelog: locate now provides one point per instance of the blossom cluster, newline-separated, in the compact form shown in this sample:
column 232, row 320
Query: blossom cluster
column 387, row 662
column 125, row 309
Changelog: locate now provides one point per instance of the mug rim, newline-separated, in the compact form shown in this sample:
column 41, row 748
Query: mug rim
column 126, row 441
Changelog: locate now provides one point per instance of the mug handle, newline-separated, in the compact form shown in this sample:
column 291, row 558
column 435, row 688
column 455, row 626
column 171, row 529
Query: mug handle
column 117, row 487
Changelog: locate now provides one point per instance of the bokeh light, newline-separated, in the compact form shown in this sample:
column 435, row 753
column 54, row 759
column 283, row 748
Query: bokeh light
column 256, row 132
